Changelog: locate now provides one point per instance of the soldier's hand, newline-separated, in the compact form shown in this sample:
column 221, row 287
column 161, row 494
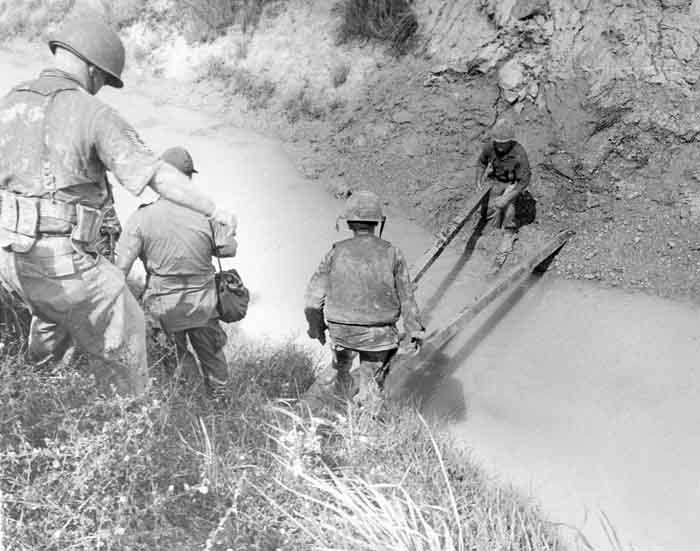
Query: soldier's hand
column 225, row 217
column 319, row 336
column 417, row 338
column 498, row 202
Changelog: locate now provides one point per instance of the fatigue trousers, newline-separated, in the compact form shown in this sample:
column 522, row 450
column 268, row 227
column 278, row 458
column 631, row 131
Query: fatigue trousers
column 371, row 373
column 208, row 345
column 506, row 217
column 76, row 298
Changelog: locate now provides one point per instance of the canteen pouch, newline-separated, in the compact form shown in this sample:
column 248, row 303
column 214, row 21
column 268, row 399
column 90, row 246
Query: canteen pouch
column 87, row 225
column 232, row 296
column 19, row 222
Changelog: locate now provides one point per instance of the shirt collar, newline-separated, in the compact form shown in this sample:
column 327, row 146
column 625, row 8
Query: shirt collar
column 58, row 73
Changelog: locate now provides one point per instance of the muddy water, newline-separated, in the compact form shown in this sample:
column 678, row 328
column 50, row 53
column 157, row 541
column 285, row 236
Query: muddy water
column 586, row 398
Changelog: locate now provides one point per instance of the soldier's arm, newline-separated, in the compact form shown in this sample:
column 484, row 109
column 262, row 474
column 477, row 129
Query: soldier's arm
column 481, row 165
column 225, row 243
column 129, row 247
column 409, row 308
column 522, row 171
column 172, row 184
column 135, row 166
column 315, row 299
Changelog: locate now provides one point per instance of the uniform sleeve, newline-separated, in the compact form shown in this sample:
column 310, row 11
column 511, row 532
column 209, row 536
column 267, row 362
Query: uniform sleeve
column 486, row 155
column 130, row 245
column 225, row 240
column 522, row 168
column 404, row 287
column 122, row 151
column 317, row 289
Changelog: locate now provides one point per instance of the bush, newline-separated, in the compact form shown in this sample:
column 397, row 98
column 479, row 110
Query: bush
column 30, row 17
column 339, row 74
column 218, row 15
column 14, row 323
column 392, row 21
column 301, row 106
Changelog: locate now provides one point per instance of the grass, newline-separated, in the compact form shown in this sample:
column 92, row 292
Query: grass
column 258, row 91
column 257, row 471
column 219, row 15
column 14, row 322
column 30, row 17
column 392, row 21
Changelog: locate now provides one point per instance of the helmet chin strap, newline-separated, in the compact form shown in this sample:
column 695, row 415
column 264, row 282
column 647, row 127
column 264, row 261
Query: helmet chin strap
column 381, row 226
column 91, row 86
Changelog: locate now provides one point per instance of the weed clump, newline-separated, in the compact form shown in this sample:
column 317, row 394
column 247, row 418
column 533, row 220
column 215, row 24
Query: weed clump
column 219, row 15
column 392, row 21
column 14, row 322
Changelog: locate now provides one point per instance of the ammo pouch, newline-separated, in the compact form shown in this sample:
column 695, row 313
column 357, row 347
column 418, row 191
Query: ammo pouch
column 24, row 219
column 19, row 222
column 88, row 221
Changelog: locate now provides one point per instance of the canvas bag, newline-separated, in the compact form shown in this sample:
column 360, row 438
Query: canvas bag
column 232, row 296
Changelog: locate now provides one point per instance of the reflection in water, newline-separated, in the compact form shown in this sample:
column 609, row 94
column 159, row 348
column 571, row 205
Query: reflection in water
column 587, row 398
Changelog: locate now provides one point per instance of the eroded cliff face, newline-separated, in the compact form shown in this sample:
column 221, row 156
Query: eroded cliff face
column 614, row 82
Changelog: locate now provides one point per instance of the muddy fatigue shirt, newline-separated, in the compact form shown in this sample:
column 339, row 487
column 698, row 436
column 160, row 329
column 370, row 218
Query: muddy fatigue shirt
column 508, row 168
column 362, row 337
column 175, row 245
column 85, row 138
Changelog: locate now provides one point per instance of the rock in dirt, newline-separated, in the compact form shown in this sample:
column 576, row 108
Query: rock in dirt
column 339, row 187
column 511, row 79
column 402, row 116
column 523, row 9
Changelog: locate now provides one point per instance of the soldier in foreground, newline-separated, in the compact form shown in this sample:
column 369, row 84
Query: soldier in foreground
column 359, row 292
column 56, row 143
column 176, row 245
column 509, row 176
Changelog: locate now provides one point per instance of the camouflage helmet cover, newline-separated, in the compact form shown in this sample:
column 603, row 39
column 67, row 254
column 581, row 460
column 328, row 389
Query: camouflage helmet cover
column 503, row 131
column 363, row 206
column 94, row 42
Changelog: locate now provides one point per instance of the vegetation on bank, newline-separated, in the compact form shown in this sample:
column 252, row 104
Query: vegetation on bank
column 253, row 470
column 392, row 21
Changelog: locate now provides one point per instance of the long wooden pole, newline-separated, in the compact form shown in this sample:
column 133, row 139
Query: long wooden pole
column 512, row 280
column 403, row 364
column 448, row 233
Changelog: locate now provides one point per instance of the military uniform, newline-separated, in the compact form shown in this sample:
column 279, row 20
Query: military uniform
column 56, row 144
column 362, row 286
column 507, row 170
column 176, row 245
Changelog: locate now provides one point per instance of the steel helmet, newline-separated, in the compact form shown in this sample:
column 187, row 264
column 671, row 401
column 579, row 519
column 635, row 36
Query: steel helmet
column 503, row 131
column 94, row 42
column 364, row 206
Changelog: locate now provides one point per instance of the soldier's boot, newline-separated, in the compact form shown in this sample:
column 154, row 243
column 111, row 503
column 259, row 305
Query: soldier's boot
column 504, row 250
column 344, row 383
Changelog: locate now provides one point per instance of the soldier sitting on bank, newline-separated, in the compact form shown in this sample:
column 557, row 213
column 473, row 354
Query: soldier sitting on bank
column 359, row 292
column 509, row 176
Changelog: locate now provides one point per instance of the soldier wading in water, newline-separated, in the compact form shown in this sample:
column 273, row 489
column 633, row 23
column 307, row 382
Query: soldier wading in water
column 358, row 293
